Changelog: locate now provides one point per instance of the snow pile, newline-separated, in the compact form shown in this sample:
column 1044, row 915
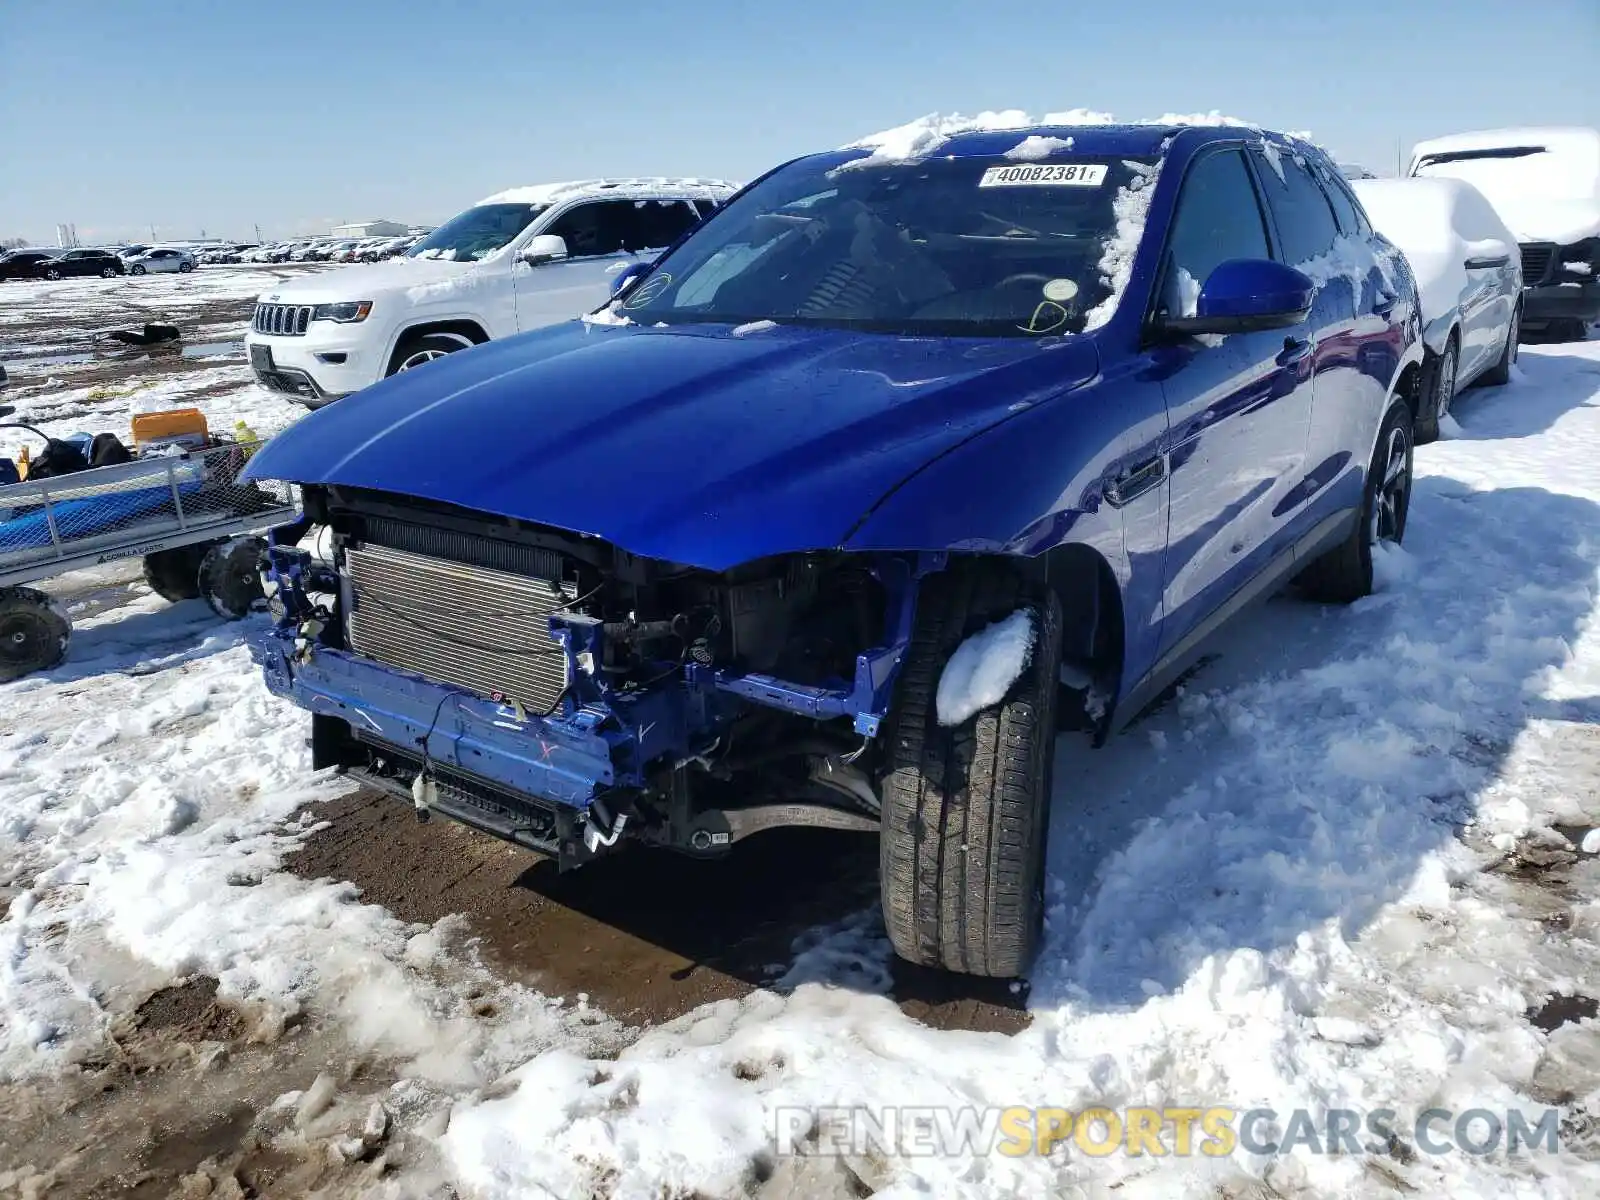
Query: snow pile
column 983, row 668
column 606, row 315
column 1131, row 207
column 1035, row 147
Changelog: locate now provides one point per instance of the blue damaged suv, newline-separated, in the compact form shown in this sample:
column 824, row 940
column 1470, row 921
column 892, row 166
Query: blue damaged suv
column 730, row 553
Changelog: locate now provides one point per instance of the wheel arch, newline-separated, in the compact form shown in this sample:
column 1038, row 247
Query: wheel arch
column 464, row 327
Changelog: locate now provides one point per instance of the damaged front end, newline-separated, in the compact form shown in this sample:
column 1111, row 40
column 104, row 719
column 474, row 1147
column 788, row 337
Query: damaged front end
column 555, row 690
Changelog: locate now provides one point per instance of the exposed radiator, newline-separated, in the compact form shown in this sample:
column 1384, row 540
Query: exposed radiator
column 456, row 623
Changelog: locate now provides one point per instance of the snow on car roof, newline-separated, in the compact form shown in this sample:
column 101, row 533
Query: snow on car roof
column 549, row 193
column 954, row 133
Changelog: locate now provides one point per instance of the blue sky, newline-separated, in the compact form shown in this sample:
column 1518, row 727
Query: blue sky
column 193, row 114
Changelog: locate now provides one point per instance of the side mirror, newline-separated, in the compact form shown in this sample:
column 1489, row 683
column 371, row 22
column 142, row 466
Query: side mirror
column 1243, row 295
column 624, row 280
column 547, row 247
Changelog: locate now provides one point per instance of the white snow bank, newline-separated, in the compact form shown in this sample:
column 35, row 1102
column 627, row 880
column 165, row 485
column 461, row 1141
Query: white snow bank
column 983, row 668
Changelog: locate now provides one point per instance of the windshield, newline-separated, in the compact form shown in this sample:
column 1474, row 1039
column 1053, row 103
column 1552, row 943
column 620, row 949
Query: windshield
column 984, row 248
column 478, row 232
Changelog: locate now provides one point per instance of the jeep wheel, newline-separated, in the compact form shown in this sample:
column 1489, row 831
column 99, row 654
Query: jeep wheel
column 107, row 273
column 966, row 807
column 1344, row 574
column 52, row 272
column 414, row 352
column 33, row 633
column 175, row 574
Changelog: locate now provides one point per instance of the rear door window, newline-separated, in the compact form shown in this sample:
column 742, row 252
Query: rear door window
column 1300, row 208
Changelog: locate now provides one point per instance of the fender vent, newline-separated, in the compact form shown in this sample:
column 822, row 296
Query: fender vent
column 455, row 623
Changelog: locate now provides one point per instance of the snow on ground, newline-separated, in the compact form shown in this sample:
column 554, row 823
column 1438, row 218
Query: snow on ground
column 1274, row 892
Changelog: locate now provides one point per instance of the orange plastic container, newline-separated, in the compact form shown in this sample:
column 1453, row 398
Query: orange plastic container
column 186, row 425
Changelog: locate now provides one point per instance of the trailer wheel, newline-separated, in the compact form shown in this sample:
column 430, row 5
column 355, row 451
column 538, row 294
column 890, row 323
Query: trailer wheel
column 175, row 574
column 34, row 634
column 230, row 577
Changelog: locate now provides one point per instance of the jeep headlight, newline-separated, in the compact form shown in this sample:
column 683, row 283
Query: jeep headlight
column 346, row 312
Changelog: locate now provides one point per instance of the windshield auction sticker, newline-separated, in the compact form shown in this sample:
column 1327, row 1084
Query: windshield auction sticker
column 1053, row 175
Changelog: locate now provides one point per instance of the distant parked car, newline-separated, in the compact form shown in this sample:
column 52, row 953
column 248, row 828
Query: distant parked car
column 1468, row 275
column 19, row 264
column 72, row 263
column 1545, row 184
column 162, row 258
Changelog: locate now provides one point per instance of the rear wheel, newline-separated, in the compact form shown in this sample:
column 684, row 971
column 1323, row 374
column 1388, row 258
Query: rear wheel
column 185, row 267
column 1344, row 574
column 1500, row 373
column 175, row 574
column 52, row 273
column 230, row 577
column 966, row 807
column 106, row 273
column 33, row 634
column 1442, row 390
column 421, row 349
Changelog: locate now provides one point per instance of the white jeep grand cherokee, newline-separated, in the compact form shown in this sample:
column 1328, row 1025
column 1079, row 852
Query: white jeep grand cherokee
column 514, row 261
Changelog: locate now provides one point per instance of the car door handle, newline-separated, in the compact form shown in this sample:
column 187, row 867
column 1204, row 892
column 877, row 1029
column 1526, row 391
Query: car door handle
column 1136, row 480
column 1294, row 350
column 1487, row 262
column 1384, row 304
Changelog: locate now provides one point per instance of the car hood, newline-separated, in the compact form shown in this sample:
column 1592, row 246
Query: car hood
column 1535, row 219
column 692, row 444
column 366, row 281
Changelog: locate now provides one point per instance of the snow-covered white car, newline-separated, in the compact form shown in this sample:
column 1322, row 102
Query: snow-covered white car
column 514, row 261
column 1545, row 184
column 1469, row 278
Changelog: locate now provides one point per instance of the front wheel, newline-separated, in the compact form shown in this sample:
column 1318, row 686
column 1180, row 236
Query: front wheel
column 136, row 269
column 34, row 634
column 966, row 806
column 420, row 350
column 1344, row 574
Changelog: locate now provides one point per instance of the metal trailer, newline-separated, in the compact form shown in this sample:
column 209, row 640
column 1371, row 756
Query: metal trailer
column 187, row 514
